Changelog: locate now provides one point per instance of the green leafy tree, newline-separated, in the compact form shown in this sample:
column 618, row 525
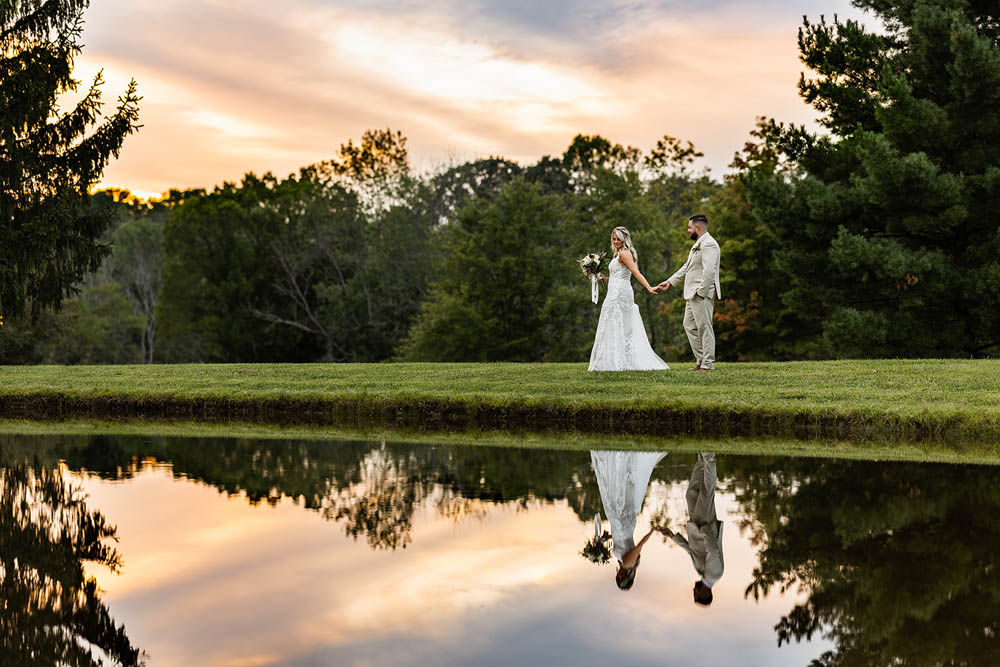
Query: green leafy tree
column 95, row 327
column 328, row 264
column 136, row 261
column 889, row 234
column 587, row 154
column 377, row 168
column 456, row 186
column 218, row 265
column 352, row 275
column 751, row 321
column 49, row 159
column 550, row 174
column 501, row 262
column 318, row 251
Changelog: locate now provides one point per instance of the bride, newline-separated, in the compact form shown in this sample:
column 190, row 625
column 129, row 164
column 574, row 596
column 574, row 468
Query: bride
column 621, row 343
column 623, row 478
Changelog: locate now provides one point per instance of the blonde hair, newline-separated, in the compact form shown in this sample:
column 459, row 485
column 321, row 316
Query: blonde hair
column 626, row 240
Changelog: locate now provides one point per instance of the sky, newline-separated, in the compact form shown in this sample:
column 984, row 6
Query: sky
column 262, row 86
column 209, row 579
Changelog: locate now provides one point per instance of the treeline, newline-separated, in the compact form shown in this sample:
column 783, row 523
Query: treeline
column 876, row 237
column 360, row 259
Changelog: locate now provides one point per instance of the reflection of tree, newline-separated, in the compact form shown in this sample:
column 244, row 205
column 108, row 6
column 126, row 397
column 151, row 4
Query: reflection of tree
column 898, row 561
column 380, row 504
column 895, row 561
column 371, row 489
column 52, row 614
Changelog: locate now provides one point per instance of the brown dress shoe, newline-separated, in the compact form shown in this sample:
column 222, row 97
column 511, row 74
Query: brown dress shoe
column 695, row 368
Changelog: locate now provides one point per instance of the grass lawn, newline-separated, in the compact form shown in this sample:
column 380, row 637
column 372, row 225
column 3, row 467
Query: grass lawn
column 950, row 400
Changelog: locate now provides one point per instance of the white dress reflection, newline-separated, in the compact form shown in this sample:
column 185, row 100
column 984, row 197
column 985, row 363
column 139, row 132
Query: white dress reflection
column 704, row 530
column 623, row 478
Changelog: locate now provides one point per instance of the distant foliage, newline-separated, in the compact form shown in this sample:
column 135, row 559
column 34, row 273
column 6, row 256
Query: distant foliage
column 330, row 264
column 878, row 237
column 498, row 270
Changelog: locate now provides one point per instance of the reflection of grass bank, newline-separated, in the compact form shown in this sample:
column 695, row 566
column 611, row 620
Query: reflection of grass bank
column 877, row 450
column 930, row 401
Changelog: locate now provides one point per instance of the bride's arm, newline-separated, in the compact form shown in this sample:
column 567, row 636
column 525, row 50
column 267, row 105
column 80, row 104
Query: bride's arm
column 632, row 555
column 626, row 259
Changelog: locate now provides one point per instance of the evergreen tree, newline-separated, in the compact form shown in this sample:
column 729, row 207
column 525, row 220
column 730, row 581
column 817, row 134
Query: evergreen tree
column 49, row 159
column 889, row 238
column 50, row 541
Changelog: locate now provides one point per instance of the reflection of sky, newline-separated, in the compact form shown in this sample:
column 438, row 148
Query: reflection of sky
column 273, row 86
column 212, row 580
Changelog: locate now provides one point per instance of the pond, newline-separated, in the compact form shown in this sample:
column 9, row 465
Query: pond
column 198, row 551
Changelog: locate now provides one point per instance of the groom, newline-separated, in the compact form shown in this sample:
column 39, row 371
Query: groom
column 700, row 274
column 704, row 530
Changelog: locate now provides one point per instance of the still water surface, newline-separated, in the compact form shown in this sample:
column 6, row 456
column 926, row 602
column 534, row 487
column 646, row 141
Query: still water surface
column 259, row 552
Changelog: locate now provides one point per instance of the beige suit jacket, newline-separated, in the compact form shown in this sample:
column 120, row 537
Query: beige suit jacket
column 700, row 272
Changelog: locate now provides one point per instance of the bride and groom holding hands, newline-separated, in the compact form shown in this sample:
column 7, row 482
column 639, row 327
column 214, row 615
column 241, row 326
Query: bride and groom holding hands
column 621, row 343
column 623, row 479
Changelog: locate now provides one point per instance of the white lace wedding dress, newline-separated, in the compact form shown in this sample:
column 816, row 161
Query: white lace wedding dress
column 623, row 478
column 621, row 343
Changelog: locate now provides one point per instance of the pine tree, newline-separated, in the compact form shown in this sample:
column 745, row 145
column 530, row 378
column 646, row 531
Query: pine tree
column 890, row 233
column 49, row 159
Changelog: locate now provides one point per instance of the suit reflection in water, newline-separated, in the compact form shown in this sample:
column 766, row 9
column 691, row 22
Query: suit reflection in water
column 623, row 478
column 704, row 530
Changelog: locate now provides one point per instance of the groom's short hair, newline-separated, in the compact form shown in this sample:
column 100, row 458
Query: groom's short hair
column 702, row 594
column 699, row 217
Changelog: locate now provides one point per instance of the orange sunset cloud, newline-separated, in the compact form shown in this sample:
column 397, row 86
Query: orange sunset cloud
column 272, row 88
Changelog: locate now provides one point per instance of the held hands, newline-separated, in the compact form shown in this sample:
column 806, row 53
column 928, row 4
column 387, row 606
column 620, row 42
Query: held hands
column 662, row 287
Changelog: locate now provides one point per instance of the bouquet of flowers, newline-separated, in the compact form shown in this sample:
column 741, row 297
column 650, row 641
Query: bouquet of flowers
column 597, row 550
column 592, row 265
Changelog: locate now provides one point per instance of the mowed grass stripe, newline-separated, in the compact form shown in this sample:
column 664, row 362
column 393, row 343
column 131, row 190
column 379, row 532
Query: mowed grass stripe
column 948, row 399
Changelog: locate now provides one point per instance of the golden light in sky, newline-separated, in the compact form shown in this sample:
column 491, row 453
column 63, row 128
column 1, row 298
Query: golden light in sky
column 272, row 87
column 209, row 579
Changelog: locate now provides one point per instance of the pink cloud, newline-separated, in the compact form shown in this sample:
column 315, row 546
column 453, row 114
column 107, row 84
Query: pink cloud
column 274, row 88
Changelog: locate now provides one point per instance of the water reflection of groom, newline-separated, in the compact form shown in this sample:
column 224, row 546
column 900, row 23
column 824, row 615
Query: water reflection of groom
column 704, row 530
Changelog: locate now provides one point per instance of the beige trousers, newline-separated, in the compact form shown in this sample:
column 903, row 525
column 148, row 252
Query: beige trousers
column 698, row 327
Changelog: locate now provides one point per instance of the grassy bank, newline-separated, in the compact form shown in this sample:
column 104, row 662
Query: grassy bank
column 945, row 401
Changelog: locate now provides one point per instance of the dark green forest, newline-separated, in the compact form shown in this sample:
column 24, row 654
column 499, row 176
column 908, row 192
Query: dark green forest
column 876, row 236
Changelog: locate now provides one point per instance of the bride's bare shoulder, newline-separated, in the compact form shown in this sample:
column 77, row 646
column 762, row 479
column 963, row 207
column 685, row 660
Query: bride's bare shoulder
column 626, row 259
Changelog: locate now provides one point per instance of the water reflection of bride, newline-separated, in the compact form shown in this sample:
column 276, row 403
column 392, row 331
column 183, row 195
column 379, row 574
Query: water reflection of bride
column 623, row 478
